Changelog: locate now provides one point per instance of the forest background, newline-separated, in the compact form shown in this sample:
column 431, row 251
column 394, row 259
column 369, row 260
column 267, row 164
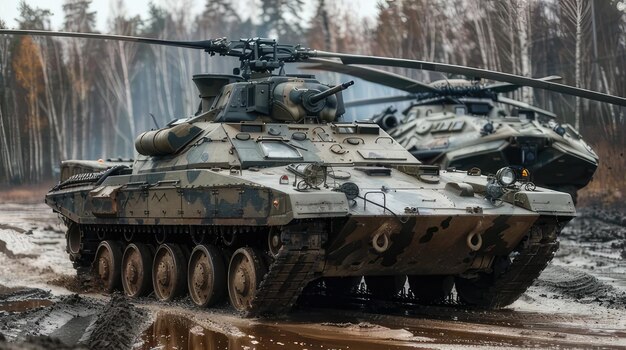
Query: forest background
column 63, row 98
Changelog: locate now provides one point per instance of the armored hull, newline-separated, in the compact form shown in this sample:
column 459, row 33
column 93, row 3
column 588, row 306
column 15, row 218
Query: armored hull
column 264, row 233
column 556, row 155
column 464, row 124
column 263, row 192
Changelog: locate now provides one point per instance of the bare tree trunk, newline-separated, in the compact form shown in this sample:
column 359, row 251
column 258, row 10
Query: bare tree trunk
column 109, row 104
column 127, row 88
column 493, row 47
column 84, row 106
column 477, row 21
column 6, row 155
column 578, row 59
column 117, row 78
column 18, row 150
column 5, row 131
column 75, row 128
column 51, row 111
column 525, row 47
column 511, row 10
column 161, row 78
column 578, row 12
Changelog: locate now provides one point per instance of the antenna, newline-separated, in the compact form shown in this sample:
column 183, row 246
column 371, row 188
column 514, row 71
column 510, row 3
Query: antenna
column 154, row 120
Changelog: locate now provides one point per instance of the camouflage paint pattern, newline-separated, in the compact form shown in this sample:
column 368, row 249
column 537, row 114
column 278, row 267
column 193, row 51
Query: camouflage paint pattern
column 217, row 179
column 448, row 135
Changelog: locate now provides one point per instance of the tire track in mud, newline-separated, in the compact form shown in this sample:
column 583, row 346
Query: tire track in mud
column 11, row 227
column 11, row 255
column 81, row 322
column 70, row 322
column 581, row 286
column 116, row 326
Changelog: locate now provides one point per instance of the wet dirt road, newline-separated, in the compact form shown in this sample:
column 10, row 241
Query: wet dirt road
column 578, row 302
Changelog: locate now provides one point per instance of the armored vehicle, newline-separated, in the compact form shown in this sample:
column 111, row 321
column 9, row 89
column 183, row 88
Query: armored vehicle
column 263, row 191
column 464, row 124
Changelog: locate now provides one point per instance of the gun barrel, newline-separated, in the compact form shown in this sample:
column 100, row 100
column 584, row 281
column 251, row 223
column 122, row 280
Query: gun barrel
column 322, row 95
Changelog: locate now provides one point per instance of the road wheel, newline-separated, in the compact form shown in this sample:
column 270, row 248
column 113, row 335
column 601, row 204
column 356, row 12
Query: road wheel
column 431, row 289
column 169, row 272
column 137, row 270
column 245, row 273
column 107, row 265
column 206, row 277
column 74, row 240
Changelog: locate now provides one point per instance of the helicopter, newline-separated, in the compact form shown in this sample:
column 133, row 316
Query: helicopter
column 264, row 191
column 462, row 123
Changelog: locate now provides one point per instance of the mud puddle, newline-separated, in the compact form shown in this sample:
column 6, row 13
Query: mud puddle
column 177, row 332
column 578, row 302
column 68, row 321
column 344, row 329
column 171, row 331
column 24, row 305
column 16, row 300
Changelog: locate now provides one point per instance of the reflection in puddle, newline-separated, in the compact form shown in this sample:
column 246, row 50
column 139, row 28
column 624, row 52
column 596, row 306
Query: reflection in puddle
column 177, row 332
column 24, row 305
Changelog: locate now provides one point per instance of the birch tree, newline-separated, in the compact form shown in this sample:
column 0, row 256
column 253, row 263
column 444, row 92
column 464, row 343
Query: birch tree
column 117, row 70
column 28, row 73
column 5, row 151
column 281, row 19
column 578, row 13
column 78, row 18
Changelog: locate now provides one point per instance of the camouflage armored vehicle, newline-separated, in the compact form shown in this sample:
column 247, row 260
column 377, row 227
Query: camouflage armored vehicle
column 464, row 124
column 264, row 191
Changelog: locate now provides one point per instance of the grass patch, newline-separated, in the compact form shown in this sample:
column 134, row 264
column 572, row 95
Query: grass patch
column 25, row 194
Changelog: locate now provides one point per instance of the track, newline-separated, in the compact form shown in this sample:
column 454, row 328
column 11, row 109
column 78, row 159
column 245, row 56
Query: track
column 574, row 304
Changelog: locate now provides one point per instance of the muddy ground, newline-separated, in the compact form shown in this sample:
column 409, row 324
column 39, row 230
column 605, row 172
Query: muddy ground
column 578, row 302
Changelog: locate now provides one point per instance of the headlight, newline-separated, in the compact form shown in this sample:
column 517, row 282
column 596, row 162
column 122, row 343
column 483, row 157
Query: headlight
column 559, row 130
column 505, row 176
column 314, row 174
column 487, row 129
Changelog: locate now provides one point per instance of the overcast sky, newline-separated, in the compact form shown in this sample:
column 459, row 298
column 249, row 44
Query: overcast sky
column 9, row 9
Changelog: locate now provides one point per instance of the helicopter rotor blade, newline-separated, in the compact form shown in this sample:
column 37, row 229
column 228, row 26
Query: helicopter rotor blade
column 374, row 75
column 216, row 45
column 381, row 100
column 508, row 87
column 223, row 47
column 470, row 71
column 524, row 105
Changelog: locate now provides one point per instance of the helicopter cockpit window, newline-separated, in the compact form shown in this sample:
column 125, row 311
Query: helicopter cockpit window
column 279, row 150
column 460, row 110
